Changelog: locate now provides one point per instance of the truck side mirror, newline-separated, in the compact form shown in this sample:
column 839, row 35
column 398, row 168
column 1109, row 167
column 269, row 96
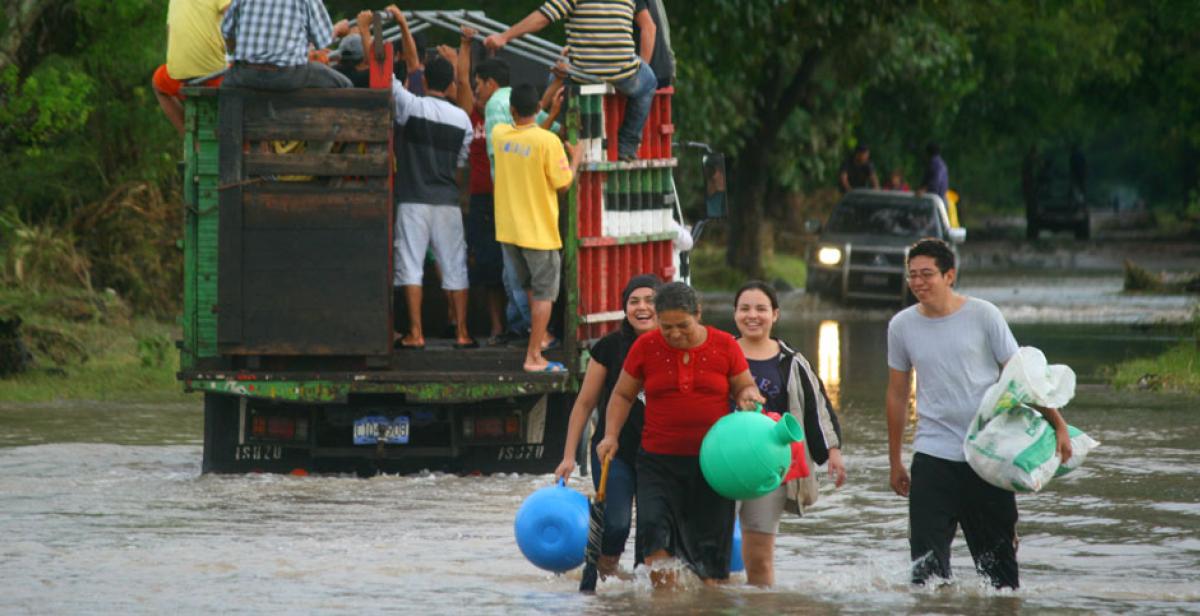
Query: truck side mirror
column 958, row 235
column 715, row 200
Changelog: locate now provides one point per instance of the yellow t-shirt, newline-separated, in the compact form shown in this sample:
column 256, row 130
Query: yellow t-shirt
column 531, row 167
column 194, row 44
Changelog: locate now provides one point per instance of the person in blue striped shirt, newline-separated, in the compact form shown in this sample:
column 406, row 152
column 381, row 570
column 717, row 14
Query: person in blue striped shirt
column 600, row 44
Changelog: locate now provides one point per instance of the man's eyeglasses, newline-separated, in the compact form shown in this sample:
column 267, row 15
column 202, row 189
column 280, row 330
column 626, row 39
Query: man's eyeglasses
column 926, row 274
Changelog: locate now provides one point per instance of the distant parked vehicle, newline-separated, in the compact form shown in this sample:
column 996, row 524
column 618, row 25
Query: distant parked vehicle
column 1057, row 204
column 861, row 251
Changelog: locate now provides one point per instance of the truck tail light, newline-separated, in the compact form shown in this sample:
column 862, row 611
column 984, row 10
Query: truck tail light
column 279, row 428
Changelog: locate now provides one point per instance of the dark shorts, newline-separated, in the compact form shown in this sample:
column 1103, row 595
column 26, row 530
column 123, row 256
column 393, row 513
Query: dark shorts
column 679, row 512
column 485, row 262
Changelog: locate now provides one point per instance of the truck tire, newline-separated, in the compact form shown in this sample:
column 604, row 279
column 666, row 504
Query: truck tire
column 220, row 433
column 1031, row 229
column 1083, row 231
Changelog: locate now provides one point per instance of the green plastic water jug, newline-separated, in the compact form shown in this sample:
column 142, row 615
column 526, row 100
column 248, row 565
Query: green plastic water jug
column 746, row 454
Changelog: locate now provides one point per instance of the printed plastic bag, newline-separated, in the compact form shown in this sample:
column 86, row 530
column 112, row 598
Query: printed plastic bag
column 1009, row 444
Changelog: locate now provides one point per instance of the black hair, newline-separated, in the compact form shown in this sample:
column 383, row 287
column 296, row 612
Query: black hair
column 862, row 147
column 935, row 248
column 494, row 69
column 524, row 100
column 757, row 285
column 676, row 296
column 933, row 149
column 641, row 281
column 439, row 74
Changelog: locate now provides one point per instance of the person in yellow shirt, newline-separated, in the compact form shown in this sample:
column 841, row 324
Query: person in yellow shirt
column 195, row 48
column 531, row 169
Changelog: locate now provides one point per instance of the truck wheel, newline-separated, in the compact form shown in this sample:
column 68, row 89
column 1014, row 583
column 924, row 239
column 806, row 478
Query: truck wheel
column 1083, row 231
column 220, row 433
column 1031, row 229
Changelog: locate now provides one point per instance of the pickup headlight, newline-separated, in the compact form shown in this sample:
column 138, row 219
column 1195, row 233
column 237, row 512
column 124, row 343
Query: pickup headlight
column 828, row 255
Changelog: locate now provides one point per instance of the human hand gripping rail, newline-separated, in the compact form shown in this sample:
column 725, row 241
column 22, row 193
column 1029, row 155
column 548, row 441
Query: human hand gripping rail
column 1009, row 443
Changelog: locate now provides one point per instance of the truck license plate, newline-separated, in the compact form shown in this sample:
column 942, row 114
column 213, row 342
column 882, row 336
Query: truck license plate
column 374, row 429
column 875, row 280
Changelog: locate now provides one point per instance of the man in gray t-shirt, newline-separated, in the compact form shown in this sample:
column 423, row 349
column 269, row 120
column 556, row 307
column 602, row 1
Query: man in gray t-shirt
column 957, row 345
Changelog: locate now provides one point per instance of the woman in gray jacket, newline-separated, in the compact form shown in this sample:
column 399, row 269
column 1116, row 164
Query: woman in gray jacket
column 787, row 381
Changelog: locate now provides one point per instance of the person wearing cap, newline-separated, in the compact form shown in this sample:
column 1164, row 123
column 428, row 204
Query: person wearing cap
column 194, row 49
column 600, row 44
column 269, row 42
column 607, row 357
column 350, row 54
column 858, row 171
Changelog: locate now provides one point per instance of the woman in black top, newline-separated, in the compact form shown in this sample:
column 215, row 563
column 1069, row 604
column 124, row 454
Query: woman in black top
column 788, row 382
column 608, row 355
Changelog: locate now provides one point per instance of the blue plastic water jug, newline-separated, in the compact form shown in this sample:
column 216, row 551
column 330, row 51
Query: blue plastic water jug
column 552, row 528
column 735, row 556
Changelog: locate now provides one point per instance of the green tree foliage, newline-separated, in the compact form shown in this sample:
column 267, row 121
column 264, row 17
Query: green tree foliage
column 784, row 87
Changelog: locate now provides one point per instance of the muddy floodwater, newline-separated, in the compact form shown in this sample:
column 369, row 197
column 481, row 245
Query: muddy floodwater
column 103, row 510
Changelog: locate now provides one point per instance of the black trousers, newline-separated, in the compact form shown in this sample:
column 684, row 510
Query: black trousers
column 947, row 494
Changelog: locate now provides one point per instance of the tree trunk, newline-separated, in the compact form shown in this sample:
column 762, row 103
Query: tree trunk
column 19, row 19
column 746, row 219
column 746, row 213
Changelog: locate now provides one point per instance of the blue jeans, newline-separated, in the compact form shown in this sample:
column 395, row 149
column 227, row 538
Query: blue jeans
column 517, row 312
column 639, row 89
column 618, row 513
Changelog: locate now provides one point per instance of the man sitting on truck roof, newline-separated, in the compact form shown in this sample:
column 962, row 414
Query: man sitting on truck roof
column 600, row 43
column 530, row 170
column 269, row 42
column 437, row 137
column 194, row 49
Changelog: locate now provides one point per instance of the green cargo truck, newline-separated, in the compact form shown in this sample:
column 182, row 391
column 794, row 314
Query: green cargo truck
column 289, row 306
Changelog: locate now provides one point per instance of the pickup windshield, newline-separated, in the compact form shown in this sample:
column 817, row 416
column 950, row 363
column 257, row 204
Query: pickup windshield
column 898, row 218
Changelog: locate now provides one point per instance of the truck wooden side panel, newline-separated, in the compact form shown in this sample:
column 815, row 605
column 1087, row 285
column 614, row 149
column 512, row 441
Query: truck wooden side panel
column 305, row 237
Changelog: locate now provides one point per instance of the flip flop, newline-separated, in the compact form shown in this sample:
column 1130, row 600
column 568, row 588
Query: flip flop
column 473, row 344
column 400, row 346
column 554, row 343
column 553, row 367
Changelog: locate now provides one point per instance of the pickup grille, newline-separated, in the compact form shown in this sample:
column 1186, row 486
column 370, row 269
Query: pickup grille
column 876, row 258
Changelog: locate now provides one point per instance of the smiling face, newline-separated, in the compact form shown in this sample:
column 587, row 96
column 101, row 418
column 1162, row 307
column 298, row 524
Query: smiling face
column 639, row 310
column 754, row 315
column 929, row 285
column 681, row 329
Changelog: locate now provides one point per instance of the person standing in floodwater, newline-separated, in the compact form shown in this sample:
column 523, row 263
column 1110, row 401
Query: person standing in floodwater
column 689, row 372
column 607, row 357
column 957, row 345
column 787, row 381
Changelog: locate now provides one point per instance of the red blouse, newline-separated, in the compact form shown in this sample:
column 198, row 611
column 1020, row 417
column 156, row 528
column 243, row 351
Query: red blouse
column 683, row 400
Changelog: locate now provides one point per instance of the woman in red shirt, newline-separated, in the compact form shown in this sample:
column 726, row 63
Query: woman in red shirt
column 688, row 372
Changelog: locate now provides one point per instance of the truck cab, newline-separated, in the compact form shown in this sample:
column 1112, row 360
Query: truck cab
column 861, row 251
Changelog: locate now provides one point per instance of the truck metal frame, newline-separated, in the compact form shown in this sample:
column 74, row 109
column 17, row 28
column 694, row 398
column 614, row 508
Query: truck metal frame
column 288, row 304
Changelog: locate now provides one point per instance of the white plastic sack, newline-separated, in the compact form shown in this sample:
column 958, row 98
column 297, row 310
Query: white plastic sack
column 1011, row 445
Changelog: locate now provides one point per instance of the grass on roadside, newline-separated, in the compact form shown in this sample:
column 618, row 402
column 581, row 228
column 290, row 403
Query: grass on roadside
column 1177, row 370
column 87, row 346
column 710, row 272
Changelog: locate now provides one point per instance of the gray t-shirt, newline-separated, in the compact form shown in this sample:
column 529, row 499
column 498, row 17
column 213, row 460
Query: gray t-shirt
column 957, row 357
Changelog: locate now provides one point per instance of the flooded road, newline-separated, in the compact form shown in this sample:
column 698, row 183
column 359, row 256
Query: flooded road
column 103, row 509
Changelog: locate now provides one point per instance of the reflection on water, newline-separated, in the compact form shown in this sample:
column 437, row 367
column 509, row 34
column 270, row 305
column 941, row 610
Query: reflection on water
column 103, row 510
column 829, row 360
